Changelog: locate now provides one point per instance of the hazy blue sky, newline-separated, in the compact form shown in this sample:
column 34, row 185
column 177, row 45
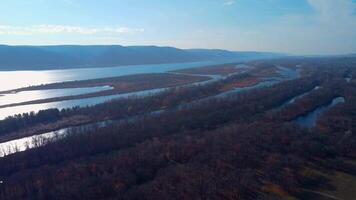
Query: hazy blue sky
column 294, row 26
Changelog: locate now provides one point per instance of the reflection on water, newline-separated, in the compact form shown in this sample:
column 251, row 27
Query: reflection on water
column 33, row 141
column 16, row 79
column 286, row 74
column 5, row 112
column 19, row 97
column 10, row 80
column 25, row 143
column 309, row 120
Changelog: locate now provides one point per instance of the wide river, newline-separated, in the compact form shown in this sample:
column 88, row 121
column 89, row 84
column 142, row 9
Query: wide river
column 30, row 142
column 10, row 80
column 16, row 79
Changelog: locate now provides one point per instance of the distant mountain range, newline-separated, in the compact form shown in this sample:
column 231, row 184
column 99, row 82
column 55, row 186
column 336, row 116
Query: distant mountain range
column 74, row 56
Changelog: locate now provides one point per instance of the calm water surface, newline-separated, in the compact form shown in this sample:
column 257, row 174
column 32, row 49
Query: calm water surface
column 310, row 119
column 16, row 79
column 30, row 142
column 19, row 97
column 10, row 80
column 9, row 111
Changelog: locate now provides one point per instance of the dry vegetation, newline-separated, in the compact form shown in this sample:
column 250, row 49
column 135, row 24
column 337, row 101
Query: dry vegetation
column 125, row 84
column 243, row 146
column 225, row 69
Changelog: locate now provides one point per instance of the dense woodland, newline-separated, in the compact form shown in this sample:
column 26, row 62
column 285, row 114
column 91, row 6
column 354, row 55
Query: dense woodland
column 242, row 146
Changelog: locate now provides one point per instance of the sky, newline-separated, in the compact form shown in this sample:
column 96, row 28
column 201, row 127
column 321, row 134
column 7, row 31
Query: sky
column 289, row 26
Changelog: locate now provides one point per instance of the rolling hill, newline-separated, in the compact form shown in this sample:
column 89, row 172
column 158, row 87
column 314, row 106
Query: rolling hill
column 75, row 56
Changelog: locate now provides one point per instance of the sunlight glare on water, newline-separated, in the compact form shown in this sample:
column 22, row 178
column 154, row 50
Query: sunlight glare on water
column 10, row 80
column 24, row 96
column 16, row 79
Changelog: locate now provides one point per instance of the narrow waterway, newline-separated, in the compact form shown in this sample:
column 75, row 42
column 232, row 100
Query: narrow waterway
column 294, row 99
column 10, row 80
column 22, row 144
column 309, row 120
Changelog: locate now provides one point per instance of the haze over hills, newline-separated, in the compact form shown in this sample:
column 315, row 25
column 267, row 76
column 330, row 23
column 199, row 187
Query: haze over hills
column 71, row 56
column 178, row 99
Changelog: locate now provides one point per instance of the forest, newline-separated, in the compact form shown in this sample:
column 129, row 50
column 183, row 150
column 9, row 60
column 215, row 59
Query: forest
column 199, row 145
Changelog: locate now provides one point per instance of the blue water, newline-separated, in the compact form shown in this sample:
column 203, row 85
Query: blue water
column 310, row 119
column 27, row 142
column 286, row 74
column 19, row 97
column 294, row 99
column 83, row 74
column 10, row 80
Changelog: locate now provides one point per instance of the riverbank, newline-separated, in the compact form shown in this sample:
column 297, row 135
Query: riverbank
column 231, row 83
column 222, row 70
column 120, row 85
